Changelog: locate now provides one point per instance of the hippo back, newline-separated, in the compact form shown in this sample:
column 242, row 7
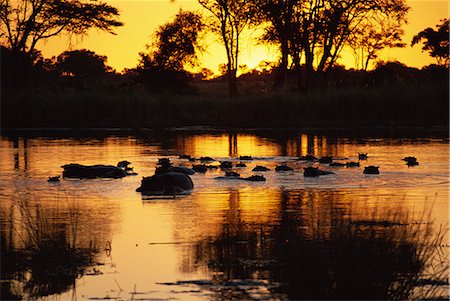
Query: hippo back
column 166, row 183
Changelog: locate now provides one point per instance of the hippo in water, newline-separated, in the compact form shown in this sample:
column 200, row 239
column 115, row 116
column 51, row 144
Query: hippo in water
column 79, row 171
column 371, row 170
column 168, row 183
column 315, row 172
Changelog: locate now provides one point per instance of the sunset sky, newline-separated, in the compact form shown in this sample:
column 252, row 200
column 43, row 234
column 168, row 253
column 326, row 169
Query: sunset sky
column 142, row 18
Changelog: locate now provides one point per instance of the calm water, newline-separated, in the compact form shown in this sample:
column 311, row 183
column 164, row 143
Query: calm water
column 289, row 237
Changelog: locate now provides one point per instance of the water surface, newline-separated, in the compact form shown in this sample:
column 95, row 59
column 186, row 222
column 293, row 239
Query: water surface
column 228, row 239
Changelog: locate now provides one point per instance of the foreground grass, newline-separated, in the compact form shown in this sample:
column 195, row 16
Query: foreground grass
column 389, row 105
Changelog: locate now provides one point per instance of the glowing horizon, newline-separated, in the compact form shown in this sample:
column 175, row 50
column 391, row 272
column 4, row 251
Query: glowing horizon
column 143, row 17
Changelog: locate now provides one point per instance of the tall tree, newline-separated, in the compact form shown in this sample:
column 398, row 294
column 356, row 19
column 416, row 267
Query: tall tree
column 373, row 36
column 177, row 43
column 436, row 42
column 175, row 47
column 280, row 14
column 23, row 23
column 228, row 19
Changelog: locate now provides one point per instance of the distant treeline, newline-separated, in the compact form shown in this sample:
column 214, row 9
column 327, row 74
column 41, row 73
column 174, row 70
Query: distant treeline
column 43, row 93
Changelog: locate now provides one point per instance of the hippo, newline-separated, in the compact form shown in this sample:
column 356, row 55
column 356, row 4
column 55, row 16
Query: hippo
column 307, row 158
column 260, row 168
column 337, row 164
column 326, row 159
column 245, row 158
column 226, row 164
column 168, row 183
column 79, row 171
column 200, row 168
column 184, row 157
column 241, row 164
column 255, row 178
column 53, row 179
column 169, row 168
column 362, row 156
column 352, row 164
column 206, row 159
column 283, row 167
column 230, row 175
column 371, row 170
column 411, row 161
column 315, row 172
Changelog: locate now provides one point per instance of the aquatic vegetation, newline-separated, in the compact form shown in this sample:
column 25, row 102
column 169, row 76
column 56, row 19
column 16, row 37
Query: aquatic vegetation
column 384, row 257
column 49, row 256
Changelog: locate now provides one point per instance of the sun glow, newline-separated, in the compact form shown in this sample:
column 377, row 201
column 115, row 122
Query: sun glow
column 143, row 17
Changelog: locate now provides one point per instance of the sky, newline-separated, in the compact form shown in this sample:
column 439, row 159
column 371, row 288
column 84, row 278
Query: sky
column 143, row 17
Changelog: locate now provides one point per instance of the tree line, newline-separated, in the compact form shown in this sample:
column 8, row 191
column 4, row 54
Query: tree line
column 310, row 36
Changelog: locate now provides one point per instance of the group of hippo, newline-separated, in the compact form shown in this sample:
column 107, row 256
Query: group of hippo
column 175, row 180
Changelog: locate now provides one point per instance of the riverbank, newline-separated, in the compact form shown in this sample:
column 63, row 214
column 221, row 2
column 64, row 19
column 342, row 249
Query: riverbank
column 386, row 106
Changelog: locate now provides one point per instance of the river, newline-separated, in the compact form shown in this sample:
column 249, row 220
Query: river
column 344, row 235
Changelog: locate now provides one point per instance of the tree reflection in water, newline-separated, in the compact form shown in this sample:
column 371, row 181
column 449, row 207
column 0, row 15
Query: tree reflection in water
column 332, row 256
column 41, row 251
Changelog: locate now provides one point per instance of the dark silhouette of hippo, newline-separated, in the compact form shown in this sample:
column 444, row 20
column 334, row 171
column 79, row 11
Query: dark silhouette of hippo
column 352, row 164
column 307, row 158
column 283, row 167
column 241, row 164
column 53, row 179
column 260, row 168
column 255, row 178
column 168, row 183
column 315, row 172
column 326, row 159
column 362, row 156
column 226, row 164
column 245, row 158
column 200, row 168
column 206, row 159
column 169, row 168
column 337, row 164
column 371, row 170
column 411, row 161
column 230, row 175
column 79, row 171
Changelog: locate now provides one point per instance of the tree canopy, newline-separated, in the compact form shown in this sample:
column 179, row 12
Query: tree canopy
column 23, row 23
column 436, row 42
column 81, row 63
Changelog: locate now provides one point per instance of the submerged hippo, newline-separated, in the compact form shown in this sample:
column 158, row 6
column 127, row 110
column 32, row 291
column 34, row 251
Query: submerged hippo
column 411, row 161
column 79, row 171
column 315, row 172
column 371, row 170
column 168, row 183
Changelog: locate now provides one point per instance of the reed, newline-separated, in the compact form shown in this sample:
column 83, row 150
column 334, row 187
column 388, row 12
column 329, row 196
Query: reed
column 47, row 256
column 393, row 105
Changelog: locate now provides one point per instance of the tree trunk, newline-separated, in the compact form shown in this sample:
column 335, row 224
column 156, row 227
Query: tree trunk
column 280, row 77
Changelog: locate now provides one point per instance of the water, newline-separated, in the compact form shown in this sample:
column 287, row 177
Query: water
column 228, row 239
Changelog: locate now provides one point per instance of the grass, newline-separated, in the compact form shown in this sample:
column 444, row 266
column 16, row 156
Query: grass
column 398, row 105
column 47, row 257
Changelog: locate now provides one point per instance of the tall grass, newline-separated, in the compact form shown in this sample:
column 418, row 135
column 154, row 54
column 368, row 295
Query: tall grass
column 425, row 104
column 46, row 257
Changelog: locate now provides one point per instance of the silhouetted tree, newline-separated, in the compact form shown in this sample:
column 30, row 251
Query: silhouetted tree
column 375, row 35
column 281, row 16
column 327, row 27
column 23, row 23
column 178, row 42
column 175, row 47
column 436, row 42
column 228, row 19
column 81, row 63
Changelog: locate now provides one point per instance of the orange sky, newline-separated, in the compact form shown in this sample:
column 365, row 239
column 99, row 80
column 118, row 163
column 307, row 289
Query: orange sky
column 142, row 17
